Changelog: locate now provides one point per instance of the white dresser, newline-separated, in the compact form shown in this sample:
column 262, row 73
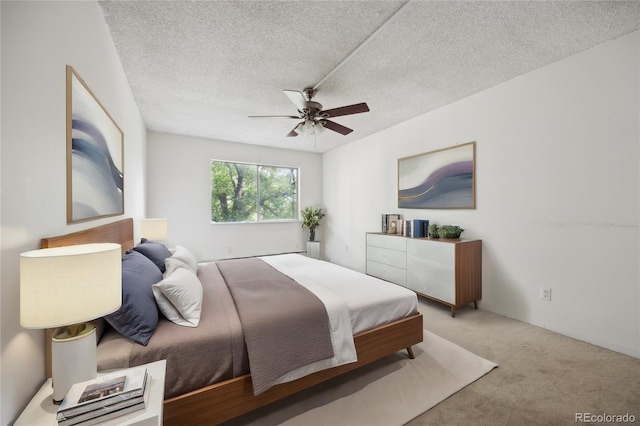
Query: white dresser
column 387, row 257
column 446, row 270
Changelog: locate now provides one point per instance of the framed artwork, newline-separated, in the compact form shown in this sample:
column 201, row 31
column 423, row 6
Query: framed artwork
column 95, row 179
column 441, row 179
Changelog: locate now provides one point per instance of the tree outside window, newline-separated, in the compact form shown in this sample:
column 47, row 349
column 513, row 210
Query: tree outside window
column 242, row 192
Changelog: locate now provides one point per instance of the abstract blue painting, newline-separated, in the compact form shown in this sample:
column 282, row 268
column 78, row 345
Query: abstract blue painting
column 441, row 179
column 95, row 179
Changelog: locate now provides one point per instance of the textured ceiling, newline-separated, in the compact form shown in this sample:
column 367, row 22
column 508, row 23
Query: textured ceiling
column 201, row 68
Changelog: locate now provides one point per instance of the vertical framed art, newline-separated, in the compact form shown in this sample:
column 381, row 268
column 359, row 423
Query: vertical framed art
column 440, row 179
column 95, row 145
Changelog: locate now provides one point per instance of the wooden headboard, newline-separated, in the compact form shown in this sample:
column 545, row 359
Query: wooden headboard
column 120, row 232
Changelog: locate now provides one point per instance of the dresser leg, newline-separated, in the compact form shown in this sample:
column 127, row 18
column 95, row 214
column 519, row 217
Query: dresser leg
column 475, row 304
column 453, row 312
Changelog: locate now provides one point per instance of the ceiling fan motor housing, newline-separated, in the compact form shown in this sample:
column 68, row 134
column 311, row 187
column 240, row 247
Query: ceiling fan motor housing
column 313, row 108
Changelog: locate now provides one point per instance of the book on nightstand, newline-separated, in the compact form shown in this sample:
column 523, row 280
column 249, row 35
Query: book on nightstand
column 108, row 396
column 104, row 413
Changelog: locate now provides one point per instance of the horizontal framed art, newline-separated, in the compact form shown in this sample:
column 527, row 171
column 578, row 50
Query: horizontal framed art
column 95, row 178
column 440, row 179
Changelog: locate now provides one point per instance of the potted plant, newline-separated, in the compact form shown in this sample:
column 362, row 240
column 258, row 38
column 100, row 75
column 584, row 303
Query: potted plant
column 311, row 218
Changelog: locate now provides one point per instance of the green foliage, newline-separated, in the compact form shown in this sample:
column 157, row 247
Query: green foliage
column 278, row 193
column 311, row 217
column 243, row 192
column 450, row 231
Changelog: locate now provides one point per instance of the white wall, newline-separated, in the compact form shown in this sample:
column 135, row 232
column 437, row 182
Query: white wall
column 38, row 40
column 179, row 188
column 558, row 192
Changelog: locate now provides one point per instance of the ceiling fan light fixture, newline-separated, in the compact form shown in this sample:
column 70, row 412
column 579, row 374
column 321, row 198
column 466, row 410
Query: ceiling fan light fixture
column 298, row 128
column 308, row 127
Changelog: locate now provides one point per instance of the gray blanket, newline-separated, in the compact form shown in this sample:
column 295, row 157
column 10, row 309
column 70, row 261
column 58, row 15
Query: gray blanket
column 196, row 356
column 285, row 326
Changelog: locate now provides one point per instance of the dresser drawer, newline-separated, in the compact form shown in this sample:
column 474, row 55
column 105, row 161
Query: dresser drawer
column 387, row 256
column 436, row 251
column 387, row 241
column 387, row 272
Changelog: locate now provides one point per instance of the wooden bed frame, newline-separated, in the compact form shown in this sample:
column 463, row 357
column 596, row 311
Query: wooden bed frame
column 223, row 401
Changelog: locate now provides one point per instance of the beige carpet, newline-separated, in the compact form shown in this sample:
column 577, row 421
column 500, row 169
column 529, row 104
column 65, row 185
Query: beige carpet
column 389, row 392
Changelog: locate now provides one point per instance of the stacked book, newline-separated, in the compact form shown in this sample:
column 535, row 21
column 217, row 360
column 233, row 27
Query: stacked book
column 390, row 224
column 110, row 395
column 414, row 228
column 420, row 228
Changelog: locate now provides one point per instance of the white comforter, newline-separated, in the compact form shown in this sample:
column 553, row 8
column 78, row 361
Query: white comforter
column 355, row 302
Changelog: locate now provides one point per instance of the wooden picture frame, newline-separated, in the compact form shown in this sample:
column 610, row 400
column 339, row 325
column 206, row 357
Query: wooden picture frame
column 440, row 179
column 95, row 161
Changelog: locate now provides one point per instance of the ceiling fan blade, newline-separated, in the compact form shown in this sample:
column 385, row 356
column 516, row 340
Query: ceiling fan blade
column 293, row 133
column 346, row 110
column 332, row 125
column 297, row 98
column 275, row 116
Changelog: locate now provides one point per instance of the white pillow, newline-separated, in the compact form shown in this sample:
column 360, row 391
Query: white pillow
column 183, row 255
column 171, row 264
column 179, row 297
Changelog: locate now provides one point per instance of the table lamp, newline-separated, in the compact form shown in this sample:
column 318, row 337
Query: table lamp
column 154, row 229
column 64, row 287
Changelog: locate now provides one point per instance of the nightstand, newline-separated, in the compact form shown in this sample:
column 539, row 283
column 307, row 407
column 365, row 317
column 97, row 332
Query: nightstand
column 41, row 411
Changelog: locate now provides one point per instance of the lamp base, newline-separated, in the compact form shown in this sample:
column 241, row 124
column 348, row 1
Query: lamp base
column 74, row 357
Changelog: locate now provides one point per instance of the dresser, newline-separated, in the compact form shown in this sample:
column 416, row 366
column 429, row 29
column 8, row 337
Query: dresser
column 448, row 271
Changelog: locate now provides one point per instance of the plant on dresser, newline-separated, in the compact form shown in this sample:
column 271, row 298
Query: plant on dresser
column 448, row 271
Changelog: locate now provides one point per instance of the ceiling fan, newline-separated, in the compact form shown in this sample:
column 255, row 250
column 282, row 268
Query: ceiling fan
column 314, row 118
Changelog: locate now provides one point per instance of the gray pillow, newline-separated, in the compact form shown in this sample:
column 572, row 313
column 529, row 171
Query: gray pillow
column 137, row 318
column 156, row 252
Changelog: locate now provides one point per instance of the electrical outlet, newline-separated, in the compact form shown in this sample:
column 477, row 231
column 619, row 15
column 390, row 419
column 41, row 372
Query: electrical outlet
column 545, row 294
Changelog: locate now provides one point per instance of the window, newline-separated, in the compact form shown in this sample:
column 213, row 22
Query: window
column 242, row 192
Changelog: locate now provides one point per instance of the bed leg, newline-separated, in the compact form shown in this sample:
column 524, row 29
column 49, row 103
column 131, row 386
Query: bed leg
column 410, row 351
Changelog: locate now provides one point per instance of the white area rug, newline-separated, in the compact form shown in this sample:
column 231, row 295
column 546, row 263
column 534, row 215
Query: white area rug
column 389, row 392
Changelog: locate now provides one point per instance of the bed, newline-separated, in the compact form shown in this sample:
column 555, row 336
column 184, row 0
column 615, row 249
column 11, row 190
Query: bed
column 231, row 396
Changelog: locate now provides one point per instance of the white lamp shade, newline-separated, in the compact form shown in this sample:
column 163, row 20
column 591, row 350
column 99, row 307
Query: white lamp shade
column 69, row 285
column 154, row 229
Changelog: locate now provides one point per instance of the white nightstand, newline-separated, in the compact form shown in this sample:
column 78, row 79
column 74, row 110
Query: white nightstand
column 41, row 411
